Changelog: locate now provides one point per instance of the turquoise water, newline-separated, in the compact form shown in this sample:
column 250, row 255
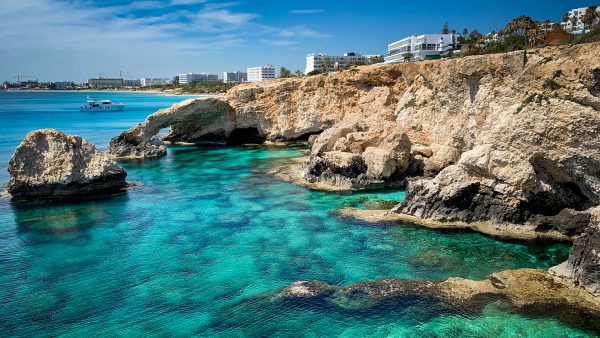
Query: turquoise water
column 198, row 248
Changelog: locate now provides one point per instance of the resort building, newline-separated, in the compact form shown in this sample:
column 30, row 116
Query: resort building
column 422, row 47
column 146, row 82
column 103, row 82
column 256, row 74
column 575, row 23
column 132, row 83
column 62, row 85
column 318, row 61
column 235, row 77
column 193, row 78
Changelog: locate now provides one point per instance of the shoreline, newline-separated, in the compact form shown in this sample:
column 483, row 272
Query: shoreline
column 113, row 91
column 512, row 231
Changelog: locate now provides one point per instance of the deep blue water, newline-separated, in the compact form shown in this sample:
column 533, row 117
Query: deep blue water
column 198, row 249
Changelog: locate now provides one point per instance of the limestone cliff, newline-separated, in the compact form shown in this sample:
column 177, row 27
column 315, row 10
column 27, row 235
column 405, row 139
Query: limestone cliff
column 504, row 138
column 509, row 142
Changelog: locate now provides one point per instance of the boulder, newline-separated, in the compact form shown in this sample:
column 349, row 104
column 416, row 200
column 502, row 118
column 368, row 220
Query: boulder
column 353, row 155
column 49, row 163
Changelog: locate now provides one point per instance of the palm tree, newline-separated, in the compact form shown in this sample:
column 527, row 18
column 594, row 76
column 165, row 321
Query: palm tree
column 573, row 20
column 376, row 59
column 284, row 72
column 407, row 56
column 589, row 17
column 298, row 73
column 325, row 65
column 445, row 29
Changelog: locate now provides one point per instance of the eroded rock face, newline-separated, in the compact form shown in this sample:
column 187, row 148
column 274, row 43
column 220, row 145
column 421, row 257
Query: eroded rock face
column 49, row 163
column 193, row 121
column 583, row 265
column 354, row 156
column 511, row 139
column 492, row 184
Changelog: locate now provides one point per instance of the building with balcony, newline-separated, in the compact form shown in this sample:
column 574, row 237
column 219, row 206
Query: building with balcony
column 235, row 77
column 575, row 23
column 318, row 61
column 256, row 74
column 422, row 47
column 193, row 78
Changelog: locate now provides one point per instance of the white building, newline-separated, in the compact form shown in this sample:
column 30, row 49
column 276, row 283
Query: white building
column 192, row 78
column 146, row 82
column 316, row 61
column 256, row 74
column 422, row 47
column 235, row 77
column 577, row 16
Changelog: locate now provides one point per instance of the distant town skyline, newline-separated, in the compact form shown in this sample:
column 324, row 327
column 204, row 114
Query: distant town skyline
column 74, row 40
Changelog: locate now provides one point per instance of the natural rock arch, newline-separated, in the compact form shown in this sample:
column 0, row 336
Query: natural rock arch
column 207, row 120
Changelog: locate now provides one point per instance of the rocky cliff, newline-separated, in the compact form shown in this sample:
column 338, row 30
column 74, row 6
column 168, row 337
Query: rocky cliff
column 506, row 141
column 49, row 163
column 504, row 138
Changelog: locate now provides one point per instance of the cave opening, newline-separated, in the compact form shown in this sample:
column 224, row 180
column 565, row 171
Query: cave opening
column 244, row 136
column 306, row 136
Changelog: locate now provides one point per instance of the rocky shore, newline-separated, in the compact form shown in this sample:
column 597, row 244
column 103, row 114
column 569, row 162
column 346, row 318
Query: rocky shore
column 527, row 291
column 509, row 140
column 49, row 163
column 505, row 144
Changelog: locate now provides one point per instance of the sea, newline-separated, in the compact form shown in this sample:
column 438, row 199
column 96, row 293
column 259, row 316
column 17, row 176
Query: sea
column 203, row 246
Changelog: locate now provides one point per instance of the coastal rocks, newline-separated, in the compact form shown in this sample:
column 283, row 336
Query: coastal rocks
column 506, row 187
column 49, row 163
column 584, row 261
column 307, row 289
column 527, row 291
column 583, row 265
column 354, row 156
column 191, row 121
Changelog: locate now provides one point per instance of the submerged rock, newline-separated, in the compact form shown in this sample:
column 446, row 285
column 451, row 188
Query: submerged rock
column 49, row 163
column 527, row 291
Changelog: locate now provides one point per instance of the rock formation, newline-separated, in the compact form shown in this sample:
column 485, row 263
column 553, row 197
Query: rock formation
column 192, row 120
column 510, row 141
column 529, row 291
column 583, row 266
column 49, row 163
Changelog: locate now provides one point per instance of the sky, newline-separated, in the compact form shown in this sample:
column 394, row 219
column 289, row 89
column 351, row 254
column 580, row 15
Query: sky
column 56, row 40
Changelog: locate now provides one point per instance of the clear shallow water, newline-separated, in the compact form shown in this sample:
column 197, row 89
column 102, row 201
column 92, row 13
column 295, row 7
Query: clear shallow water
column 200, row 246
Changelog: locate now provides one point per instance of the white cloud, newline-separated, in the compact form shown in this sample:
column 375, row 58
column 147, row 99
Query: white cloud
column 277, row 42
column 75, row 39
column 307, row 11
column 302, row 32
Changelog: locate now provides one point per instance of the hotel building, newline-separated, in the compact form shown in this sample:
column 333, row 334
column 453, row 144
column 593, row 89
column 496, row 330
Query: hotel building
column 193, row 78
column 235, row 77
column 422, row 47
column 316, row 61
column 256, row 74
column 103, row 82
column 145, row 82
column 577, row 16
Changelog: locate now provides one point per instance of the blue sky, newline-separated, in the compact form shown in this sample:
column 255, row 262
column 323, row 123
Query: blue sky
column 56, row 40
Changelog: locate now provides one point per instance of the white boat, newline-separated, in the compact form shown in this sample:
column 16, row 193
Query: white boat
column 93, row 104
